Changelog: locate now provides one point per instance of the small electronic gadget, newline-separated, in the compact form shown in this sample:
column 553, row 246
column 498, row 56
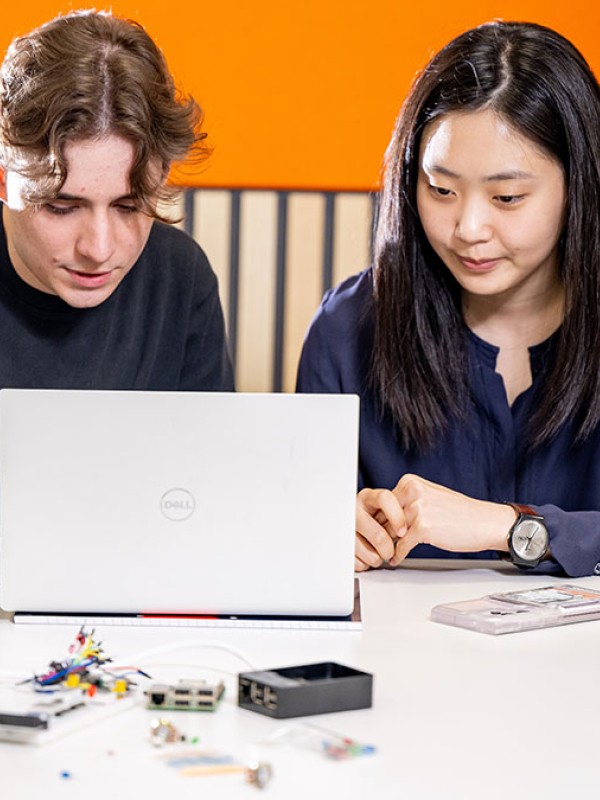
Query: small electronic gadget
column 32, row 718
column 75, row 691
column 186, row 695
column 522, row 610
column 306, row 689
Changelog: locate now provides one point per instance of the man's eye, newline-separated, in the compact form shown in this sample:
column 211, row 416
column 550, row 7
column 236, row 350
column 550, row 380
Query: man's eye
column 127, row 209
column 58, row 210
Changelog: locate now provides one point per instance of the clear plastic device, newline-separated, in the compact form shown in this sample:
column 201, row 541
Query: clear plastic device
column 30, row 717
column 529, row 609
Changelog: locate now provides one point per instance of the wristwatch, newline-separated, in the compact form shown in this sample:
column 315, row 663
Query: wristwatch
column 528, row 538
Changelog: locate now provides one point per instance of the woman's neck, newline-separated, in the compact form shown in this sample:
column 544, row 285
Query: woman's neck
column 519, row 322
column 515, row 326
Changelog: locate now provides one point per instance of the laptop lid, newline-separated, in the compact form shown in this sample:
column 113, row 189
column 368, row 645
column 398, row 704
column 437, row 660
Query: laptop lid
column 180, row 502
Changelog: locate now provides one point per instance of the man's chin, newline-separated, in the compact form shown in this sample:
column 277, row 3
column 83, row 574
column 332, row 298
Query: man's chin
column 86, row 298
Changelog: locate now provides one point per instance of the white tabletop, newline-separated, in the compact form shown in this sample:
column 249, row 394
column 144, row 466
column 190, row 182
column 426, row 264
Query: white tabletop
column 456, row 714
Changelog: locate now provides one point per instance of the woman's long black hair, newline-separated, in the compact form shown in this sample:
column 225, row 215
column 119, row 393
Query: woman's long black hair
column 540, row 84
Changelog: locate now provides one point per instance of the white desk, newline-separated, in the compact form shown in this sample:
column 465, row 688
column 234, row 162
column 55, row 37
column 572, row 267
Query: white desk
column 456, row 714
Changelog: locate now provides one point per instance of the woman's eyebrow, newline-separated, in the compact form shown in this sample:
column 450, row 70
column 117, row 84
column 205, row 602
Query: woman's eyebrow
column 508, row 175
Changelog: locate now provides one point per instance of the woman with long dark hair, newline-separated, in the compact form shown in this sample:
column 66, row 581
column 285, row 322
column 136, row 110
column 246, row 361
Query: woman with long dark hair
column 474, row 339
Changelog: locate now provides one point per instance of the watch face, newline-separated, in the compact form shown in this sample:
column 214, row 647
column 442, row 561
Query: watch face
column 530, row 540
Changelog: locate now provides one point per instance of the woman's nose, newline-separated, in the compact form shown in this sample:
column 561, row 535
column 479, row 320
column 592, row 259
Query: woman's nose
column 473, row 223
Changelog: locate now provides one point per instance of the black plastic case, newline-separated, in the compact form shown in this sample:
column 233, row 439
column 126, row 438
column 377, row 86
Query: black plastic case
column 304, row 690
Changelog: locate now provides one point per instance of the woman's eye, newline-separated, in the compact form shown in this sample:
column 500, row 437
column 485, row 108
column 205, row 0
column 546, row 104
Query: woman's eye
column 440, row 191
column 509, row 199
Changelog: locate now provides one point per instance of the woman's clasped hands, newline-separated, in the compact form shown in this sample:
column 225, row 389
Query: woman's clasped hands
column 390, row 523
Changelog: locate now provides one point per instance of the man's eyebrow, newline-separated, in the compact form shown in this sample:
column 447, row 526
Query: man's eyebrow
column 509, row 175
column 73, row 198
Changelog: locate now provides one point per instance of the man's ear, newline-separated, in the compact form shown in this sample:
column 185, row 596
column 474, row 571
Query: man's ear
column 2, row 185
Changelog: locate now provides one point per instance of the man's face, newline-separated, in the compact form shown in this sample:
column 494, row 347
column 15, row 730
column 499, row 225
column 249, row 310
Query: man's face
column 80, row 245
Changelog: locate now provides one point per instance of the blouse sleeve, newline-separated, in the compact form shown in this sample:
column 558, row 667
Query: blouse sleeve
column 574, row 541
column 318, row 368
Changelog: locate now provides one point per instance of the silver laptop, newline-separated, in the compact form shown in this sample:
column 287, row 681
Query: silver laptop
column 177, row 502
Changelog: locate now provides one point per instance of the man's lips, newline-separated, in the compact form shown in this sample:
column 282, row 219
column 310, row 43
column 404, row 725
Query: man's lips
column 90, row 280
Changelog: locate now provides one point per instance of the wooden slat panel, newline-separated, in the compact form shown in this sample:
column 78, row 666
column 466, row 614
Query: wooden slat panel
column 304, row 276
column 255, row 345
column 211, row 230
column 352, row 235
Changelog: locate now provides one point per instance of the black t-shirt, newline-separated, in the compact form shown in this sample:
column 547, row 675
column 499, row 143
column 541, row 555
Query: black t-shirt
column 161, row 329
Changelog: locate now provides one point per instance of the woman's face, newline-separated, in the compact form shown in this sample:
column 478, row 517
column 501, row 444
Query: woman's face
column 492, row 205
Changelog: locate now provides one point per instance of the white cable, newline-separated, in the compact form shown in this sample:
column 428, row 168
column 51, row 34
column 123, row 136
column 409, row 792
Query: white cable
column 138, row 658
column 152, row 665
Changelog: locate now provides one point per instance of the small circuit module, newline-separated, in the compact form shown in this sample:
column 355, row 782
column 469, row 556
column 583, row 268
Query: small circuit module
column 185, row 695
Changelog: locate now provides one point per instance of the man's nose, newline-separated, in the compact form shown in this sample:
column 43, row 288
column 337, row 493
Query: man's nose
column 96, row 240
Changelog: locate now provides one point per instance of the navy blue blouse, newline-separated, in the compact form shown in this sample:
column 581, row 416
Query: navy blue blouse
column 485, row 456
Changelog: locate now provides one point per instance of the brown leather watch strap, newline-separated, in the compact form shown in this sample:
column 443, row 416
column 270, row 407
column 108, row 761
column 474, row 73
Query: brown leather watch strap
column 522, row 509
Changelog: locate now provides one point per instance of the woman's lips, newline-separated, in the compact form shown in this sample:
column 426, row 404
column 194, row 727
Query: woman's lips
column 478, row 265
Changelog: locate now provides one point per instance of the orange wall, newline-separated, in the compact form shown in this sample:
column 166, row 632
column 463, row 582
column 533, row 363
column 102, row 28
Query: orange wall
column 303, row 93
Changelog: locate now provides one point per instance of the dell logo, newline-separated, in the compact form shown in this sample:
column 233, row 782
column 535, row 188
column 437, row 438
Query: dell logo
column 177, row 504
